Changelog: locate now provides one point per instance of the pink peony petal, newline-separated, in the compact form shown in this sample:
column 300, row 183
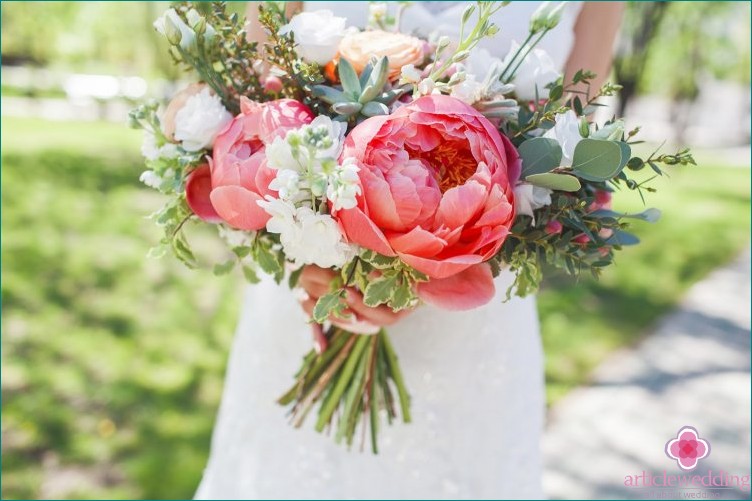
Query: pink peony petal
column 417, row 242
column 198, row 187
column 440, row 268
column 460, row 204
column 239, row 207
column 469, row 289
column 361, row 230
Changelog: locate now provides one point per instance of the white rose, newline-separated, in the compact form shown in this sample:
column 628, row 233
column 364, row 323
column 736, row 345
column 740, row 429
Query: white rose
column 170, row 20
column 527, row 198
column 566, row 132
column 536, row 71
column 317, row 34
column 200, row 120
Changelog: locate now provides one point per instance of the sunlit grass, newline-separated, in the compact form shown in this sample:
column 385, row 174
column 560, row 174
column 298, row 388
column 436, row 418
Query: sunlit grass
column 112, row 364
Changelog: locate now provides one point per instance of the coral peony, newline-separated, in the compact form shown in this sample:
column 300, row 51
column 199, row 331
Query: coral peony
column 437, row 183
column 239, row 175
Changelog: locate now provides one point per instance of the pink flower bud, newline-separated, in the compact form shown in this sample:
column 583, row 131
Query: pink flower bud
column 554, row 227
column 602, row 197
column 273, row 84
column 581, row 239
column 604, row 251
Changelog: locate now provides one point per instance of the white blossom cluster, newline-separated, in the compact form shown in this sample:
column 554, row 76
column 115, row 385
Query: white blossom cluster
column 308, row 177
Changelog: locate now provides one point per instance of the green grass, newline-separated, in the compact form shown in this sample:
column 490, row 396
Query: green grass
column 112, row 364
column 705, row 223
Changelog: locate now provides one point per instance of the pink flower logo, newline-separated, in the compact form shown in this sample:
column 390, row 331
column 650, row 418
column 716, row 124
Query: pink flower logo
column 687, row 448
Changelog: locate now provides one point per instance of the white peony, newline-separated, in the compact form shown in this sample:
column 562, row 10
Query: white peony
column 317, row 34
column 566, row 132
column 344, row 185
column 306, row 236
column 536, row 71
column 168, row 22
column 527, row 198
column 200, row 120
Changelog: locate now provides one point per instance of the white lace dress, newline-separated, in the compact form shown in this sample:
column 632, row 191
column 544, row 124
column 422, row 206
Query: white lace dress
column 476, row 377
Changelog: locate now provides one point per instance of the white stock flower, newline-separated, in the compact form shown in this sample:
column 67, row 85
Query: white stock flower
column 286, row 183
column 324, row 126
column 527, row 198
column 200, row 120
column 152, row 151
column 536, row 71
column 469, row 90
column 566, row 132
column 410, row 74
column 235, row 238
column 481, row 82
column 344, row 185
column 317, row 34
column 279, row 154
column 426, row 87
column 171, row 20
column 307, row 237
column 150, row 179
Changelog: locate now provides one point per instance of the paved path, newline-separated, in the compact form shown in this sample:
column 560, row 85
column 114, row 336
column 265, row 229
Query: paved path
column 694, row 370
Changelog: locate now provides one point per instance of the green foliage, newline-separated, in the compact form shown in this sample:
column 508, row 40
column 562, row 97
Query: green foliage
column 539, row 155
column 599, row 160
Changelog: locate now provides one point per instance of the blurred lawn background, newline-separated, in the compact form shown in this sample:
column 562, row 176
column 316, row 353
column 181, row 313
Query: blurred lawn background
column 112, row 363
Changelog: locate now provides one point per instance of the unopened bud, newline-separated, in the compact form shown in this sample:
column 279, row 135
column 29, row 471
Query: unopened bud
column 172, row 32
column 461, row 56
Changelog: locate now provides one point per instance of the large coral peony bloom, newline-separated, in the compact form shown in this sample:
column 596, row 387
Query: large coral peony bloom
column 239, row 174
column 437, row 181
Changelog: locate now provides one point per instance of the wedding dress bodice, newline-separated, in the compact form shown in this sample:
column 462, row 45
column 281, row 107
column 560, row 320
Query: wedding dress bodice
column 476, row 377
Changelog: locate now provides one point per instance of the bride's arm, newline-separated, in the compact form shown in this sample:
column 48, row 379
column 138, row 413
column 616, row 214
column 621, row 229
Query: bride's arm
column 594, row 34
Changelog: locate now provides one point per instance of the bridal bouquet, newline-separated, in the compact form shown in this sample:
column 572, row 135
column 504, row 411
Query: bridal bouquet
column 416, row 169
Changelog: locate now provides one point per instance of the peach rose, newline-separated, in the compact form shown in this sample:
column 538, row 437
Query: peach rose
column 401, row 50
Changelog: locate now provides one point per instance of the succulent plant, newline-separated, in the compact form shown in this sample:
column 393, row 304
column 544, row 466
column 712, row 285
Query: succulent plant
column 359, row 97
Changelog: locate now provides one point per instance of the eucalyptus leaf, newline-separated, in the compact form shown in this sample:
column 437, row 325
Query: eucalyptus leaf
column 559, row 182
column 539, row 155
column 622, row 238
column 651, row 215
column 597, row 160
column 626, row 154
column 349, row 79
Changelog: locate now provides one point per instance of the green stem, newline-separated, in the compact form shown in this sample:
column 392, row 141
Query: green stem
column 394, row 369
column 333, row 399
column 514, row 58
column 522, row 59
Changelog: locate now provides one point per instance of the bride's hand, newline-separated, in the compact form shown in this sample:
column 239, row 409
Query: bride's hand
column 366, row 320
